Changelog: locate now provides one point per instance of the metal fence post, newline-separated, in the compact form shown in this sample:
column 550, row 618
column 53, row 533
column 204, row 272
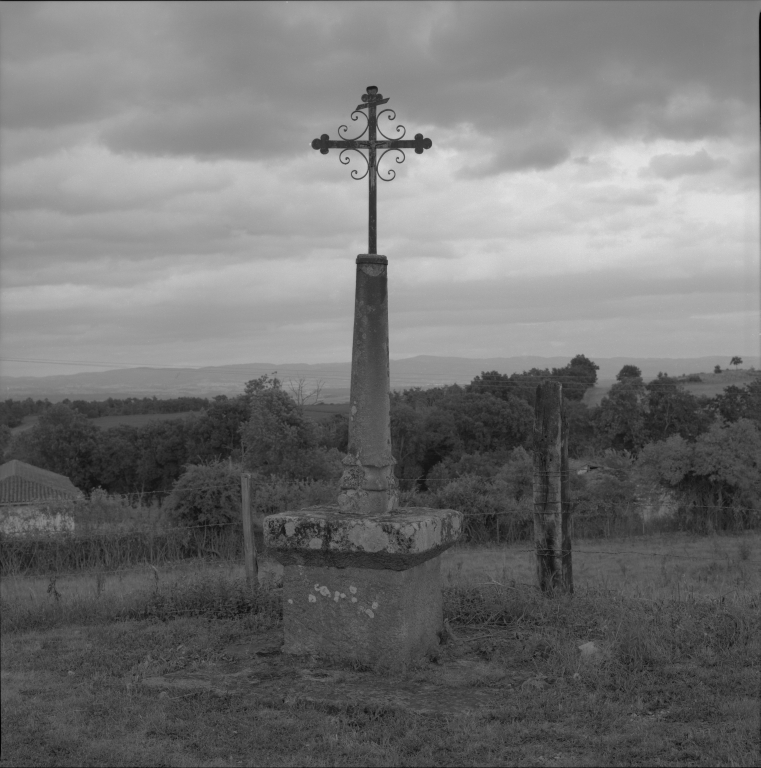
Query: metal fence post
column 249, row 545
column 552, row 536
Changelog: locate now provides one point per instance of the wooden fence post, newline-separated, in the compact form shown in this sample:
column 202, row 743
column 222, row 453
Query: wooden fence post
column 552, row 536
column 249, row 545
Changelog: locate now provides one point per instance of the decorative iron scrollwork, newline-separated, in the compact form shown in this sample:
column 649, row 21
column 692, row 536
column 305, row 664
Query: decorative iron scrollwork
column 346, row 128
column 391, row 171
column 377, row 150
column 392, row 116
column 346, row 161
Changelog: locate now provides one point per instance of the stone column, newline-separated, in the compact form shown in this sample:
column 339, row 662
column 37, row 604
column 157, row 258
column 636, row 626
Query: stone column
column 368, row 484
column 361, row 579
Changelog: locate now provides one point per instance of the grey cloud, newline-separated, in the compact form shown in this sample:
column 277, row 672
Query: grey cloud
column 615, row 196
column 261, row 79
column 595, row 295
column 205, row 131
column 670, row 166
column 533, row 155
column 618, row 68
column 603, row 295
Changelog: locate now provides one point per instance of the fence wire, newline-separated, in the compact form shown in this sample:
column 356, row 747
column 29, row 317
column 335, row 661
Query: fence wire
column 100, row 539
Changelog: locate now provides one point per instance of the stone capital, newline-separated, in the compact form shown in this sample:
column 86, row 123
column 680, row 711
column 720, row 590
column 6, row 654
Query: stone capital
column 326, row 536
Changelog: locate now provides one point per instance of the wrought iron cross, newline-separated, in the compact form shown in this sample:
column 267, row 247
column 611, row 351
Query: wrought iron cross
column 371, row 101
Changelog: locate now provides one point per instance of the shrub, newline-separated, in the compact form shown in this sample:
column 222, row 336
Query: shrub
column 206, row 495
column 273, row 495
column 717, row 478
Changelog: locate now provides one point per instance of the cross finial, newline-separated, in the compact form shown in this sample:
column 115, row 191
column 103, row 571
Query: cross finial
column 370, row 101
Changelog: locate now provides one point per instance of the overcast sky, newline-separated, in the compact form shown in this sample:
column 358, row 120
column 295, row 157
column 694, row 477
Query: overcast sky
column 592, row 187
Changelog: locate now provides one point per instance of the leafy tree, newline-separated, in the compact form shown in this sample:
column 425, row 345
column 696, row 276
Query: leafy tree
column 333, row 433
column 581, row 428
column 619, row 422
column 440, row 438
column 5, row 440
column 262, row 384
column 492, row 499
column 406, row 438
column 517, row 475
column 727, row 460
column 206, row 495
column 421, row 399
column 629, row 372
column 118, row 459
column 216, row 433
column 430, row 426
column 717, row 369
column 62, row 441
column 486, row 423
column 161, row 454
column 484, row 465
column 470, row 495
column 526, row 383
column 12, row 412
column 736, row 361
column 279, row 440
column 500, row 385
column 673, row 410
column 719, row 473
column 739, row 402
column 604, row 493
column 577, row 377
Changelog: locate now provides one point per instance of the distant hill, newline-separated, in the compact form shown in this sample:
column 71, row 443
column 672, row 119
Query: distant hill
column 421, row 371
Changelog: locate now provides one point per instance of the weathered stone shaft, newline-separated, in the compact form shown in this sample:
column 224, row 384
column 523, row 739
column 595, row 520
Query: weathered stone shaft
column 368, row 485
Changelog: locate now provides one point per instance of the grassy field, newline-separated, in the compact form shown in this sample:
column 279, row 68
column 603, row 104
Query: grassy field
column 139, row 420
column 674, row 681
column 106, row 422
column 712, row 384
column 715, row 383
column 674, row 566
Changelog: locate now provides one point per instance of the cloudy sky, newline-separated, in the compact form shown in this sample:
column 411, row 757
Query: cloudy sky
column 592, row 187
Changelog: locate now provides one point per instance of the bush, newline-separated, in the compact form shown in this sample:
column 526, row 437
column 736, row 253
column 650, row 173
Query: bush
column 206, row 495
column 273, row 495
column 484, row 465
column 717, row 478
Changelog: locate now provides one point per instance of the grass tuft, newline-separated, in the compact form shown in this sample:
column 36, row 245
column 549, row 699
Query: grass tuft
column 668, row 676
column 211, row 594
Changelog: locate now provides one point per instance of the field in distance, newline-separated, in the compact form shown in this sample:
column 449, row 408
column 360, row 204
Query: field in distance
column 107, row 422
column 711, row 384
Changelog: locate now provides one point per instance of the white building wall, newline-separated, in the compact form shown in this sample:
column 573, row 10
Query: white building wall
column 29, row 519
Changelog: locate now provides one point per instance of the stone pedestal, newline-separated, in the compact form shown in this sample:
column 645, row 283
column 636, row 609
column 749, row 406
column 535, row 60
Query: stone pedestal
column 360, row 587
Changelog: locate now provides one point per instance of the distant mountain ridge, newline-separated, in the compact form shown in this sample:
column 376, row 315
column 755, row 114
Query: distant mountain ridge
column 421, row 371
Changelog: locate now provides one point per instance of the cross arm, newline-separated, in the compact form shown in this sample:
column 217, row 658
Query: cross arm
column 418, row 144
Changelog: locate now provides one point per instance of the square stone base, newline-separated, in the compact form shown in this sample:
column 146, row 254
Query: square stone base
column 383, row 618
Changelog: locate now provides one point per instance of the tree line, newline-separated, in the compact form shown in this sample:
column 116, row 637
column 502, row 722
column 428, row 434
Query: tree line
column 13, row 412
column 703, row 448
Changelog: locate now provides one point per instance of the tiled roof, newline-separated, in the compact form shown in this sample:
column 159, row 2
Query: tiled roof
column 21, row 483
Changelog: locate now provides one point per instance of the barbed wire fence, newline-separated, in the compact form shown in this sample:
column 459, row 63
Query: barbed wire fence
column 551, row 519
column 114, row 546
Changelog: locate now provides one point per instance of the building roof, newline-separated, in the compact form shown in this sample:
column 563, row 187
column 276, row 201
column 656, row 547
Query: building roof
column 22, row 483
